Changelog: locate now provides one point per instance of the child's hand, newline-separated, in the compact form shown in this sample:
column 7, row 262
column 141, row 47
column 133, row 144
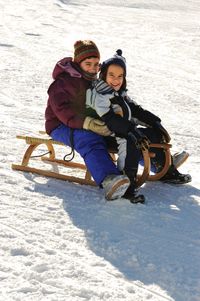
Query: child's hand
column 140, row 140
column 96, row 126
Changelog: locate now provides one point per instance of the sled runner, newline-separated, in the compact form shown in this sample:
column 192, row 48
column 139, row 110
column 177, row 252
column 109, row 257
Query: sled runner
column 35, row 142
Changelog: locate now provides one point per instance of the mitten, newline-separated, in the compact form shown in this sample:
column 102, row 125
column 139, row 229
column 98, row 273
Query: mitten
column 96, row 126
column 140, row 140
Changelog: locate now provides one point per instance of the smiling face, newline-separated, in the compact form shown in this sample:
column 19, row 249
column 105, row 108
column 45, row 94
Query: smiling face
column 115, row 77
column 90, row 65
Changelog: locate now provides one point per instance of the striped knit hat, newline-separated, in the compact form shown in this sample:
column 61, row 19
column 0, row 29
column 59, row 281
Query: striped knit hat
column 85, row 49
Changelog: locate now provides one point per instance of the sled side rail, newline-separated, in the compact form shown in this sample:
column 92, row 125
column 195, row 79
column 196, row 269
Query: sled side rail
column 35, row 142
column 166, row 147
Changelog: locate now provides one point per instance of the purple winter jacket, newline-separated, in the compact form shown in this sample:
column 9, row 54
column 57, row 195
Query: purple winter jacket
column 66, row 102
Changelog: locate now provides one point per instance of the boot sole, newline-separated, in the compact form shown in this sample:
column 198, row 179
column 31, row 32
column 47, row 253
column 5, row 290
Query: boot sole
column 175, row 182
column 118, row 189
column 180, row 162
column 139, row 199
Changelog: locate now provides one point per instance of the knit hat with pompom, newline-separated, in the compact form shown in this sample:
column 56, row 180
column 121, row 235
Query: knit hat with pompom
column 116, row 59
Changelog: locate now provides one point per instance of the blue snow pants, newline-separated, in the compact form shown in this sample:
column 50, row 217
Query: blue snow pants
column 91, row 147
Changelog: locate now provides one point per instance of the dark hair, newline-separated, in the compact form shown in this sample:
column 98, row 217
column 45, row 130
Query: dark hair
column 103, row 74
column 89, row 57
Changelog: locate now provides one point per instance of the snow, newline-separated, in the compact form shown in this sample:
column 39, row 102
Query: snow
column 62, row 241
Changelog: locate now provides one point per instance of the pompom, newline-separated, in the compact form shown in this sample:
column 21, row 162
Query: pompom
column 119, row 52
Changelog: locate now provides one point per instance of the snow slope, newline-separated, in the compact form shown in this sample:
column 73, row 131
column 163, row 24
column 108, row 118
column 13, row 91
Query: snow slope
column 61, row 241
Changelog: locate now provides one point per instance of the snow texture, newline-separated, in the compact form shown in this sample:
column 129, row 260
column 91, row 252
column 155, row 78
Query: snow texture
column 62, row 241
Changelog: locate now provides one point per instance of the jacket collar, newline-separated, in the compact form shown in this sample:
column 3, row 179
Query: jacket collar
column 65, row 65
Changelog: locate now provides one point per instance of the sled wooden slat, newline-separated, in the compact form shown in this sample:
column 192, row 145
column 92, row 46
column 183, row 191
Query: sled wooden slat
column 53, row 174
column 34, row 142
column 65, row 163
column 37, row 140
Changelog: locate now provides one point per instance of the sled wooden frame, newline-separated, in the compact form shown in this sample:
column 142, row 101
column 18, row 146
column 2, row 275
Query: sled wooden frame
column 34, row 142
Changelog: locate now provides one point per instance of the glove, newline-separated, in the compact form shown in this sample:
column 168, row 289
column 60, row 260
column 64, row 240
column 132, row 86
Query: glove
column 161, row 130
column 140, row 140
column 97, row 126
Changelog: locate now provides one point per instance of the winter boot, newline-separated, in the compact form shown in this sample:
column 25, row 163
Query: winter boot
column 131, row 193
column 173, row 176
column 133, row 197
column 179, row 158
column 115, row 186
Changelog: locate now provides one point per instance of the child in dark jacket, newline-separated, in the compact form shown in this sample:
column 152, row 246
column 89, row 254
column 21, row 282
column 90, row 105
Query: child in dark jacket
column 67, row 122
column 123, row 116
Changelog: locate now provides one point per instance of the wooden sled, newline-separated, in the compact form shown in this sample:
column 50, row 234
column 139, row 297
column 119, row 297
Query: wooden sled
column 35, row 142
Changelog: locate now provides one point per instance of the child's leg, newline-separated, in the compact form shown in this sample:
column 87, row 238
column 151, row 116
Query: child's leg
column 128, row 158
column 159, row 161
column 92, row 149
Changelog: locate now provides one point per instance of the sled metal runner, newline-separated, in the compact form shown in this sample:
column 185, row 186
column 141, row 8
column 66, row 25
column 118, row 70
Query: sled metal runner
column 35, row 142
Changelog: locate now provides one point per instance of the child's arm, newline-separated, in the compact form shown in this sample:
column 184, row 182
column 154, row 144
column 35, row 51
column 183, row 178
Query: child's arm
column 99, row 97
column 125, row 128
column 116, row 123
column 98, row 102
column 149, row 119
column 142, row 114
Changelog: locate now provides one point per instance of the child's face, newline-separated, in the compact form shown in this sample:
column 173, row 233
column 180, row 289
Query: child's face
column 115, row 76
column 90, row 65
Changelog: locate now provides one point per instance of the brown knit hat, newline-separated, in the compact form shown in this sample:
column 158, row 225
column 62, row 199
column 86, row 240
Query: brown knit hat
column 85, row 49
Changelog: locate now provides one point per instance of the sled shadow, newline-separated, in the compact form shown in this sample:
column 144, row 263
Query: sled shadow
column 156, row 243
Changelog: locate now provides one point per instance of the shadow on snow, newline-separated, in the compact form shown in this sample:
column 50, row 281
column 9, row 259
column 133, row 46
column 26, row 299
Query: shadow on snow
column 157, row 243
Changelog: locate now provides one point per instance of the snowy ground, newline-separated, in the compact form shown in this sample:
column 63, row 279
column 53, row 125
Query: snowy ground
column 61, row 241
